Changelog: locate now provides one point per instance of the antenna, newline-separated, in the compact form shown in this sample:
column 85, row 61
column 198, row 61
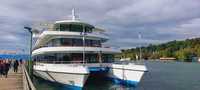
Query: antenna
column 73, row 14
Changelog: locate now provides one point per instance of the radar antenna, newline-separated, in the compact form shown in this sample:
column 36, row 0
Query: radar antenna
column 74, row 17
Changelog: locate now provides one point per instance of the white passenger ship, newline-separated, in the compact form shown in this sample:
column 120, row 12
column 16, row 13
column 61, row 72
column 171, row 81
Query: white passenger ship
column 72, row 50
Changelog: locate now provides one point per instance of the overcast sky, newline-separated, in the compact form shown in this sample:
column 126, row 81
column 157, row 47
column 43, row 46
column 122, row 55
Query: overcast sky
column 158, row 20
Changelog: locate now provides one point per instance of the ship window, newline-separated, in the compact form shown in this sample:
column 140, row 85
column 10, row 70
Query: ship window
column 65, row 41
column 66, row 57
column 87, row 43
column 108, row 58
column 77, row 42
column 64, row 27
column 91, row 58
column 95, row 43
column 76, row 28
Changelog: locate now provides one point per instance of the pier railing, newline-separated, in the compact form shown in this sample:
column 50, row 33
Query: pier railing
column 27, row 83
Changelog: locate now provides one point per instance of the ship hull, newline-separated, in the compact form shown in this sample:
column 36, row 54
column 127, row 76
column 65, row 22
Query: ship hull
column 126, row 74
column 73, row 79
column 75, row 76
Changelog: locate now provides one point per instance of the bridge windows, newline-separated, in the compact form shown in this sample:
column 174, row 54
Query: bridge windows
column 64, row 27
column 74, row 28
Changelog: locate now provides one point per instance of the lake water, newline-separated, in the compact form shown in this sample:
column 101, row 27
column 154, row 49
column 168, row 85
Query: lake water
column 161, row 76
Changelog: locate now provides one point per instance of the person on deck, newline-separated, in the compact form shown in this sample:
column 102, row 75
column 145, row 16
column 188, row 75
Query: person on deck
column 21, row 62
column 15, row 66
column 7, row 67
column 1, row 68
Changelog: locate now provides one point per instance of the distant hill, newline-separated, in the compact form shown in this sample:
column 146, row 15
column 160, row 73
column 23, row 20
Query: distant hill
column 181, row 50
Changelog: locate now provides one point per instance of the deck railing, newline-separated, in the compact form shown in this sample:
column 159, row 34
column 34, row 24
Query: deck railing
column 58, row 62
column 81, row 62
column 27, row 83
column 71, row 62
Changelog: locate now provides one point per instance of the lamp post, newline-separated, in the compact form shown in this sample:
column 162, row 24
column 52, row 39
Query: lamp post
column 29, row 29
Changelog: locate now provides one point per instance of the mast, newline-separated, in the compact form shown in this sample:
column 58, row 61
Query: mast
column 73, row 14
column 82, row 33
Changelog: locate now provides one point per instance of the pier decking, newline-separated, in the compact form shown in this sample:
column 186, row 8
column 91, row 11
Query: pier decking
column 14, row 81
column 17, row 81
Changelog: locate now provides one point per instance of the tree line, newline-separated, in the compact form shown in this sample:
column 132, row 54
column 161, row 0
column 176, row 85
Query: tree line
column 181, row 50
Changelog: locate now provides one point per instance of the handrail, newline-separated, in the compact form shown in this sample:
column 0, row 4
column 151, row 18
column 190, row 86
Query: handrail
column 70, row 46
column 59, row 62
column 69, row 62
column 80, row 64
column 80, row 61
column 27, row 83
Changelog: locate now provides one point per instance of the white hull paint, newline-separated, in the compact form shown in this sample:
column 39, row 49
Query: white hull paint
column 71, row 49
column 76, row 75
column 127, row 74
column 71, row 76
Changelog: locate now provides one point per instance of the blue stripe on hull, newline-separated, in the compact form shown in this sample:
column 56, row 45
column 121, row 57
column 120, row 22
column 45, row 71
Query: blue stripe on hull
column 72, row 87
column 124, row 82
column 98, row 69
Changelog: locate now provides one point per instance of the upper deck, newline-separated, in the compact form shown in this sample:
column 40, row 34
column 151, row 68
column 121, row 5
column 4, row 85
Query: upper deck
column 71, row 33
column 71, row 29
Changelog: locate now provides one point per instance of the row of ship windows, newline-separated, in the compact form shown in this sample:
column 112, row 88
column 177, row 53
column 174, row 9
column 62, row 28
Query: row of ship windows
column 74, row 42
column 73, row 57
column 74, row 28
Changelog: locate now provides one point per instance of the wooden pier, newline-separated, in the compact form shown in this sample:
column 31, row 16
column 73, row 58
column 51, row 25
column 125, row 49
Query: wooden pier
column 17, row 81
column 14, row 81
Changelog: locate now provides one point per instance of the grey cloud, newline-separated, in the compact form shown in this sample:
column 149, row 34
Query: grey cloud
column 158, row 20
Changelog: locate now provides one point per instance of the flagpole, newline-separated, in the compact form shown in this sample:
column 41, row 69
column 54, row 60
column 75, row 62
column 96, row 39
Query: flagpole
column 140, row 38
column 83, row 44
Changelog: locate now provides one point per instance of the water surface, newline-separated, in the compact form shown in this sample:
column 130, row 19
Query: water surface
column 161, row 76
